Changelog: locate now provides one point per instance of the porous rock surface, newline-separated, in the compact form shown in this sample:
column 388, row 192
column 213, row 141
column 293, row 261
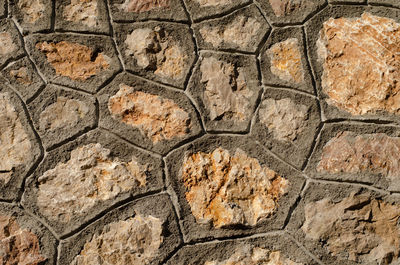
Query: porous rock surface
column 207, row 3
column 7, row 45
column 32, row 9
column 22, row 75
column 286, row 7
column 140, row 6
column 82, row 11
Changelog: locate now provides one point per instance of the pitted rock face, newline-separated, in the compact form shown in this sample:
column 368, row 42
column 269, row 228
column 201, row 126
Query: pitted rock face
column 74, row 60
column 226, row 95
column 90, row 176
column 22, row 76
column 230, row 190
column 358, row 228
column 15, row 144
column 18, row 245
column 139, row 6
column 133, row 241
column 154, row 50
column 64, row 113
column 157, row 118
column 286, row 7
column 83, row 11
column 206, row 3
column 286, row 61
column 360, row 60
column 32, row 9
column 7, row 45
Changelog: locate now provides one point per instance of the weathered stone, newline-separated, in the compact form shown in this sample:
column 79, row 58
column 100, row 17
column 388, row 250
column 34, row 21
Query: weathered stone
column 22, row 76
column 286, row 7
column 74, row 60
column 139, row 6
column 286, row 61
column 15, row 144
column 360, row 60
column 134, row 241
column 18, row 245
column 230, row 190
column 64, row 113
column 358, row 228
column 7, row 45
column 205, row 3
column 89, row 177
column 83, row 11
column 31, row 9
column 156, row 117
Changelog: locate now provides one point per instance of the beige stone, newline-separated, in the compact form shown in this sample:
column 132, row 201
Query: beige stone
column 284, row 118
column 207, row 3
column 82, row 11
column 360, row 61
column 227, row 95
column 74, row 60
column 156, row 117
column 22, row 76
column 133, row 241
column 32, row 10
column 89, row 177
column 18, row 245
column 286, row 61
column 7, row 44
column 16, row 147
column 358, row 228
column 286, row 7
column 230, row 189
column 140, row 6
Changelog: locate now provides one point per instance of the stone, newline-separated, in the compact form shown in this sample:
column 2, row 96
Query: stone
column 284, row 118
column 22, row 75
column 7, row 45
column 32, row 10
column 64, row 113
column 18, row 245
column 357, row 228
column 83, row 11
column 133, row 241
column 286, row 61
column 214, row 3
column 89, row 177
column 140, row 6
column 360, row 72
column 230, row 190
column 15, row 144
column 227, row 95
column 74, row 60
column 286, row 7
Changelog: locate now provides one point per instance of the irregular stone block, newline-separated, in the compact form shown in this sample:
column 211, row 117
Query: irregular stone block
column 10, row 42
column 203, row 9
column 286, row 7
column 32, row 15
column 82, row 11
column 7, row 46
column 139, row 6
column 31, row 10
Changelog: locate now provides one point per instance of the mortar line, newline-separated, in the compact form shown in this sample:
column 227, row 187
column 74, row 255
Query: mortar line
column 223, row 15
column 350, row 183
column 305, row 250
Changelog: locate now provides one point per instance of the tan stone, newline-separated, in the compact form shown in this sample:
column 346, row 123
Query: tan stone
column 32, row 10
column 286, row 62
column 83, row 11
column 139, row 6
column 360, row 59
column 17, row 245
column 284, row 118
column 22, row 76
column 358, row 228
column 286, row 7
column 240, row 32
column 207, row 3
column 74, row 60
column 230, row 190
column 155, row 50
column 89, row 177
column 15, row 144
column 227, row 95
column 134, row 241
column 7, row 45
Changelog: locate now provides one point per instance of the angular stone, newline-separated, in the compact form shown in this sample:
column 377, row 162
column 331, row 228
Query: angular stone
column 82, row 11
column 7, row 45
column 139, row 6
column 32, row 10
column 286, row 7
column 213, row 2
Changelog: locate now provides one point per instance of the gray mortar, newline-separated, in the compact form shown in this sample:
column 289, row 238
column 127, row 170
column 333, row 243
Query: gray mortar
column 6, row 25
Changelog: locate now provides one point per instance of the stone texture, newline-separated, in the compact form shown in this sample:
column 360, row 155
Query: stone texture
column 7, row 45
column 229, row 189
column 157, row 118
column 205, row 3
column 18, row 245
column 133, row 241
column 357, row 228
column 139, row 6
column 90, row 176
column 83, row 11
column 22, row 76
column 31, row 9
column 286, row 7
column 360, row 64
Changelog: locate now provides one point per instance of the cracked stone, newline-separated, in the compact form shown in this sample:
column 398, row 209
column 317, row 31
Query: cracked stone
column 140, row 6
column 133, row 241
column 229, row 189
column 360, row 60
column 7, row 45
column 89, row 177
column 22, row 75
column 83, row 11
column 358, row 228
column 156, row 117
column 214, row 3
column 286, row 7
column 32, row 10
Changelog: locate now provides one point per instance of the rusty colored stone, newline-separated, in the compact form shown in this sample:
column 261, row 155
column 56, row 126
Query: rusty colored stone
column 230, row 190
column 157, row 118
column 140, row 6
column 22, row 76
column 83, row 11
column 74, row 60
column 358, row 228
column 360, row 59
column 286, row 7
column 32, row 10
column 7, row 45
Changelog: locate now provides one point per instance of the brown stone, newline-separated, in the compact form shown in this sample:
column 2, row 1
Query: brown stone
column 139, row 6
column 206, row 3
column 82, row 11
column 32, row 10
column 22, row 76
column 18, row 245
column 133, row 241
column 286, row 7
column 358, row 228
column 7, row 45
column 360, row 58
column 89, row 177
column 74, row 60
column 230, row 190
column 157, row 118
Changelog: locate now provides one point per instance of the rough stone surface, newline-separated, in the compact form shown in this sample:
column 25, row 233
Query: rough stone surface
column 32, row 9
column 286, row 7
column 213, row 2
column 7, row 45
column 83, row 11
column 139, row 6
column 22, row 76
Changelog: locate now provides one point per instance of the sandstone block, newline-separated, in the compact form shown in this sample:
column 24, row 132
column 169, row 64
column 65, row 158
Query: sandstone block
column 286, row 7
column 32, row 15
column 138, row 6
column 10, row 43
column 32, row 10
column 82, row 11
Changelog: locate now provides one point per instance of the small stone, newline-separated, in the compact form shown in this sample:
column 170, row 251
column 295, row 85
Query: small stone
column 83, row 11
column 206, row 3
column 89, row 177
column 7, row 45
column 358, row 228
column 32, row 10
column 286, row 61
column 284, row 118
column 286, row 7
column 18, row 245
column 230, row 190
column 140, row 6
column 74, row 60
column 157, row 118
column 360, row 61
column 22, row 75
column 133, row 241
